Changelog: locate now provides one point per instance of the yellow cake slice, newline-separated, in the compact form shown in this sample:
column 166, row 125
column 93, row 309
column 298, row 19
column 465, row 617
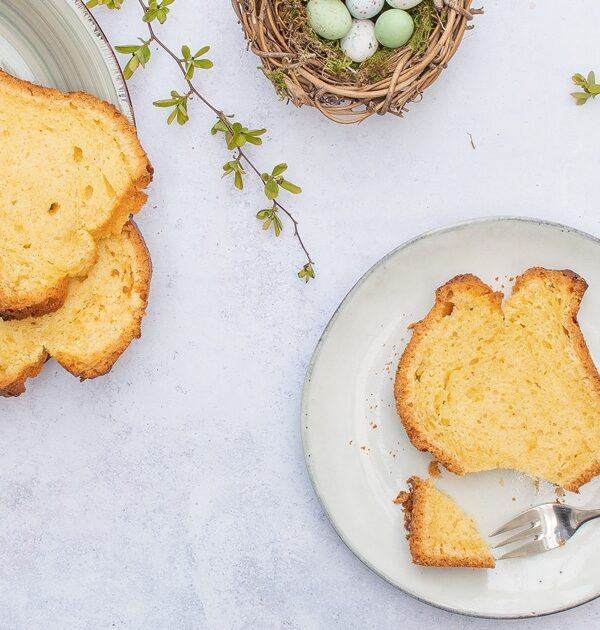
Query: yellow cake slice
column 73, row 171
column 482, row 385
column 100, row 317
column 440, row 534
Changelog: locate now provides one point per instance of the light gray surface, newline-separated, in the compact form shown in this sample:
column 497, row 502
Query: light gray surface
column 173, row 493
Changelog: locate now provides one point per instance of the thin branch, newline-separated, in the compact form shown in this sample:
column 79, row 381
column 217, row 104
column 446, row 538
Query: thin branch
column 241, row 154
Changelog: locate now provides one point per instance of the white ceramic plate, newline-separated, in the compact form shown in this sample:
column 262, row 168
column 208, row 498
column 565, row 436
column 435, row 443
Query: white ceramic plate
column 357, row 470
column 57, row 43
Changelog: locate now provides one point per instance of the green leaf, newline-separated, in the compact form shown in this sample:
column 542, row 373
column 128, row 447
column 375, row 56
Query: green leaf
column 127, row 50
column 219, row 126
column 131, row 66
column 202, row 51
column 261, row 215
column 252, row 139
column 277, row 225
column 170, row 102
column 150, row 15
column 580, row 96
column 594, row 89
column 144, row 54
column 204, row 64
column 292, row 188
column 172, row 117
column 186, row 52
column 189, row 71
column 271, row 189
column 238, row 181
column 279, row 170
column 591, row 77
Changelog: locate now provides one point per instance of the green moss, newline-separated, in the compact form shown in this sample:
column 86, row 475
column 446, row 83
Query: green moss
column 277, row 78
column 376, row 68
column 424, row 18
column 336, row 60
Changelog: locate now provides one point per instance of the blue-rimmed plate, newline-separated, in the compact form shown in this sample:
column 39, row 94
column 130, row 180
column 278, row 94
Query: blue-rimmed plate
column 359, row 456
column 57, row 43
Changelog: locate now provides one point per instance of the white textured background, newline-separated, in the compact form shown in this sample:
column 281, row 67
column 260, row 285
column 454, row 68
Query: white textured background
column 172, row 493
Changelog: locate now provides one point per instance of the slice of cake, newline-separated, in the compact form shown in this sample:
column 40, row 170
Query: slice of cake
column 485, row 385
column 101, row 316
column 73, row 171
column 440, row 534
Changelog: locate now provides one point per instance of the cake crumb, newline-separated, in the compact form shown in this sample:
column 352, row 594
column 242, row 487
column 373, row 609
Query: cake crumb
column 411, row 325
column 536, row 484
column 350, row 443
column 402, row 497
column 434, row 469
column 514, row 498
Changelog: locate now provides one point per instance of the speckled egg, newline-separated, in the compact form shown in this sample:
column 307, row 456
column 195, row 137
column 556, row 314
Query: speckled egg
column 394, row 28
column 360, row 43
column 329, row 18
column 404, row 4
column 364, row 9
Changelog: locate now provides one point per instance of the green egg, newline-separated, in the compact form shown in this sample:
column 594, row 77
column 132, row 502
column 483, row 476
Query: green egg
column 394, row 28
column 329, row 18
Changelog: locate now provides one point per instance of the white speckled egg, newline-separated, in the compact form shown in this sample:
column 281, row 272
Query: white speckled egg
column 364, row 9
column 360, row 43
column 404, row 4
column 329, row 18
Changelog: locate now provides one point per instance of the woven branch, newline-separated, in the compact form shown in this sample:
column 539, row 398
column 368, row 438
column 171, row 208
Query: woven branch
column 299, row 64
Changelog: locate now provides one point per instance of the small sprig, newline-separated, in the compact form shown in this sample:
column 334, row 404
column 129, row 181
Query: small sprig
column 307, row 272
column 591, row 89
column 270, row 218
column 275, row 181
column 234, row 167
column 236, row 135
column 179, row 103
column 157, row 10
column 191, row 62
column 140, row 56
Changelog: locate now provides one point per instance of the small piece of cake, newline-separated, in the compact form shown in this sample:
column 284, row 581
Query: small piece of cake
column 440, row 534
column 100, row 317
column 485, row 385
column 73, row 171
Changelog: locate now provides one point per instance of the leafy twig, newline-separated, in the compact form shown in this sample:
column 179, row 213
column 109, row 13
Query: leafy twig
column 236, row 135
column 591, row 89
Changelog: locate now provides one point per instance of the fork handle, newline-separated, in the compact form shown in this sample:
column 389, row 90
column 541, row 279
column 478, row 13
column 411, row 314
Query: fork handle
column 583, row 516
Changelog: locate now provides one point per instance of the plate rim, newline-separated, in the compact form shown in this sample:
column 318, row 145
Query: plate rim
column 92, row 26
column 315, row 356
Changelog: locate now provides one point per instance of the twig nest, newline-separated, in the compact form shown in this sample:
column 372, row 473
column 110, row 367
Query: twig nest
column 346, row 80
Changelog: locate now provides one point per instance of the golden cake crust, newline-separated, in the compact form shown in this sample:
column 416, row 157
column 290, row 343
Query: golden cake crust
column 16, row 304
column 414, row 504
column 98, row 362
column 470, row 285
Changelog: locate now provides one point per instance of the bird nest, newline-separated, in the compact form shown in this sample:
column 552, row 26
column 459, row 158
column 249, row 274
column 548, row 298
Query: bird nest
column 309, row 70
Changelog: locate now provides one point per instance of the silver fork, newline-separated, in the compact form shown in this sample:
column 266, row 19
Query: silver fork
column 542, row 528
